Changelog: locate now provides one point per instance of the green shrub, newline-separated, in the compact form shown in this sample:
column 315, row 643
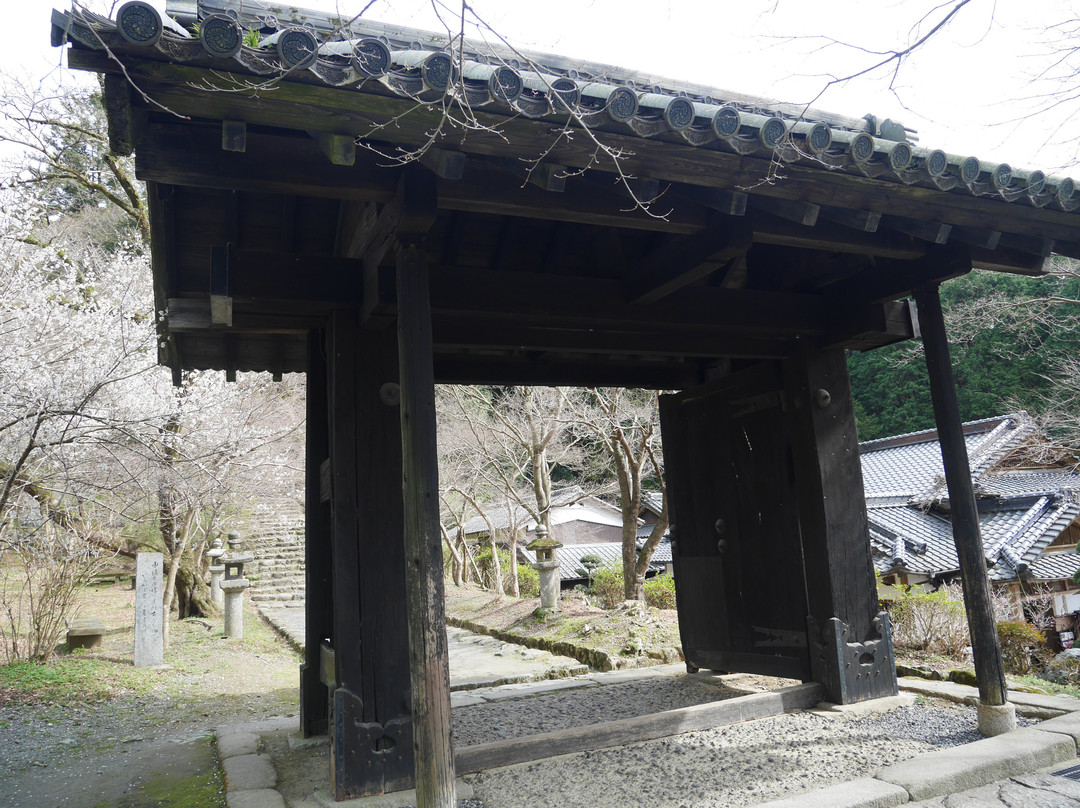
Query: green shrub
column 528, row 578
column 930, row 621
column 1019, row 644
column 607, row 586
column 660, row 592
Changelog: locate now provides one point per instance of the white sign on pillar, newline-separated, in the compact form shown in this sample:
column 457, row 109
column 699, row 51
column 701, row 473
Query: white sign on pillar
column 149, row 591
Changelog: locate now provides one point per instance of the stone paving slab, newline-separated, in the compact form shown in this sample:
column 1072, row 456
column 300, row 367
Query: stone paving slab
column 254, row 798
column 975, row 764
column 249, row 772
column 233, row 744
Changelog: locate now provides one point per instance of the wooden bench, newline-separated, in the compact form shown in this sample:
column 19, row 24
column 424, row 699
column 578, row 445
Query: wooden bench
column 86, row 632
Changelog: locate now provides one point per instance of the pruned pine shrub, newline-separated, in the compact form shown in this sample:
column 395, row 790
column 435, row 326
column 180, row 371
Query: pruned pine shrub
column 660, row 592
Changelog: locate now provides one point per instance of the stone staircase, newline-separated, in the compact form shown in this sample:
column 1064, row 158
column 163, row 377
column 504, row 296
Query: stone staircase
column 274, row 535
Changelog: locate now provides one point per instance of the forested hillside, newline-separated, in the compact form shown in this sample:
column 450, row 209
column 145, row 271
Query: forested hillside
column 1012, row 339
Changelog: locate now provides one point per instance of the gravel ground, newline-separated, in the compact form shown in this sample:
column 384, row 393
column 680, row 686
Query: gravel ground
column 577, row 708
column 738, row 765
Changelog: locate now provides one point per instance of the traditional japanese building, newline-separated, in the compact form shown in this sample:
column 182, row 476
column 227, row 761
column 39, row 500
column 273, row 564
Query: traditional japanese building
column 385, row 210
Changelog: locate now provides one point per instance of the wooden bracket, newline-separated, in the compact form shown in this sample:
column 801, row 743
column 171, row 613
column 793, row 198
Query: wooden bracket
column 934, row 232
column 234, row 136
column 339, row 149
column 447, row 165
column 548, row 176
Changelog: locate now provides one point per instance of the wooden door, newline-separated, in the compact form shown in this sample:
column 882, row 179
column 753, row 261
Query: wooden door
column 737, row 553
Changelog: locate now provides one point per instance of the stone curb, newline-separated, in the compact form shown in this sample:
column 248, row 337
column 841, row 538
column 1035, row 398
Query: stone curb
column 1032, row 705
column 977, row 764
column 864, row 793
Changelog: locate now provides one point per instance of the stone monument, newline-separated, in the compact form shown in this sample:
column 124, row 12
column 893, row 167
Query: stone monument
column 149, row 612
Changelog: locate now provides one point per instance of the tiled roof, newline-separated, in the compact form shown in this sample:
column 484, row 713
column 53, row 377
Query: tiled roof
column 389, row 59
column 505, row 514
column 1021, row 512
column 610, row 554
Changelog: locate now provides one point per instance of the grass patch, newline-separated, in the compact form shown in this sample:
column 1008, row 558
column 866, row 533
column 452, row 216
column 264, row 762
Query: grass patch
column 67, row 681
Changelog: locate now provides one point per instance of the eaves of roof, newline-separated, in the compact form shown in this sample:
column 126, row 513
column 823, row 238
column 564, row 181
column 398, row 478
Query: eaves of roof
column 378, row 58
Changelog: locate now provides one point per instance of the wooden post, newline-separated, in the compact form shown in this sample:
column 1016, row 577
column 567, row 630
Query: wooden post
column 985, row 645
column 425, row 611
column 371, row 737
column 318, row 609
column 850, row 642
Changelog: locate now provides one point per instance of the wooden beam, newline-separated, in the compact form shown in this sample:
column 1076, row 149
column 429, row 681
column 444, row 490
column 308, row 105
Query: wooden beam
column 339, row 149
column 833, row 238
column 556, row 370
column 1041, row 247
column 686, row 259
column 536, row 335
column 424, row 599
column 889, row 280
column 731, row 203
column 977, row 237
column 116, row 92
column 865, row 220
column 802, row 213
column 599, row 302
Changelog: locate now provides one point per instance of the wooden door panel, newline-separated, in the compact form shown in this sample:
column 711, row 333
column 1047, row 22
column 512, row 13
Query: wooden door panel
column 737, row 554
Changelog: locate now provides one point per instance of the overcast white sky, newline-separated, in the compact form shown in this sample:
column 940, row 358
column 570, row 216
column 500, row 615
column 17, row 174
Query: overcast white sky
column 968, row 91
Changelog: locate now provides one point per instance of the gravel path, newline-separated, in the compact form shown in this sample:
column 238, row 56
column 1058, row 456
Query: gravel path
column 739, row 765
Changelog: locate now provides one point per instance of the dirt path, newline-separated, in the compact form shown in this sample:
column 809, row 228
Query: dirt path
column 90, row 730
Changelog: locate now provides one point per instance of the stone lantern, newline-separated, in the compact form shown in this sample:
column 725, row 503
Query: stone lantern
column 547, row 564
column 233, row 586
column 217, row 570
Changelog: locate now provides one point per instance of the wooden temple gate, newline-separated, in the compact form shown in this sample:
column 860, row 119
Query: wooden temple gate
column 509, row 254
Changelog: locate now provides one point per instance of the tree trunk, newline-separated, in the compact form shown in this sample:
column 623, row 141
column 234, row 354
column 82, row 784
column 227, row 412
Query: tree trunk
column 192, row 592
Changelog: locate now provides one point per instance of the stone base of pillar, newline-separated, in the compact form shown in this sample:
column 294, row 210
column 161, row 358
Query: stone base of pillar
column 233, row 591
column 996, row 719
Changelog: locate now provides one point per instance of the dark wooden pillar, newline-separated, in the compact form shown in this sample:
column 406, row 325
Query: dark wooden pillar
column 318, row 605
column 985, row 645
column 850, row 644
column 371, row 737
column 428, row 661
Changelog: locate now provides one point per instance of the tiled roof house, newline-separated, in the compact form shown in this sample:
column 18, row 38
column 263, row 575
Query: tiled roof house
column 1028, row 511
